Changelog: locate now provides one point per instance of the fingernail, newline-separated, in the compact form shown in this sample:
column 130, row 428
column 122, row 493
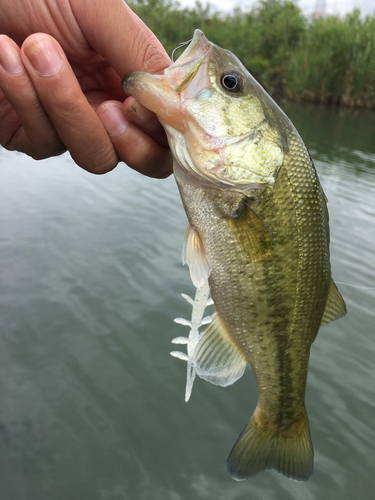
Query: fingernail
column 10, row 58
column 113, row 119
column 44, row 57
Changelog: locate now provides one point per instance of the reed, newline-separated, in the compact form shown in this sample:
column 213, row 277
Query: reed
column 334, row 62
column 327, row 59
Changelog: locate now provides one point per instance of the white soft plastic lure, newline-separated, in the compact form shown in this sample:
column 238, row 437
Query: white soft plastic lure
column 199, row 272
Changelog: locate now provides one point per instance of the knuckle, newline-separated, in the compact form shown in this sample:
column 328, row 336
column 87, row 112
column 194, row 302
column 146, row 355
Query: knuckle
column 163, row 166
column 153, row 162
column 8, row 122
column 98, row 162
column 67, row 103
column 46, row 151
column 153, row 59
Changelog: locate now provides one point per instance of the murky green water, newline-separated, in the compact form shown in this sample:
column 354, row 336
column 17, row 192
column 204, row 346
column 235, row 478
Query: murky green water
column 92, row 404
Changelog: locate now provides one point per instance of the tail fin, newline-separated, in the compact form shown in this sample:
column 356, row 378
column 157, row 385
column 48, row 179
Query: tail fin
column 257, row 449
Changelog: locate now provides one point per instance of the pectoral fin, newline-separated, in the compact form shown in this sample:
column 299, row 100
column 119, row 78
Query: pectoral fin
column 194, row 256
column 216, row 358
column 335, row 306
column 253, row 235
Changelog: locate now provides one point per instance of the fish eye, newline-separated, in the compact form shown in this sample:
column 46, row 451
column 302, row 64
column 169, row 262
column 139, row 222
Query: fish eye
column 232, row 81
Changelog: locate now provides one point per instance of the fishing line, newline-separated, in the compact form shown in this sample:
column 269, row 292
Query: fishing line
column 182, row 44
column 356, row 286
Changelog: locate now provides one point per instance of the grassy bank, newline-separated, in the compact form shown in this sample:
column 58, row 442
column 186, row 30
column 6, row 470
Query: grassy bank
column 327, row 60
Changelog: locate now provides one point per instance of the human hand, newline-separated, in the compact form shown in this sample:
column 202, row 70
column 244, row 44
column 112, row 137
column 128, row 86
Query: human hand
column 61, row 64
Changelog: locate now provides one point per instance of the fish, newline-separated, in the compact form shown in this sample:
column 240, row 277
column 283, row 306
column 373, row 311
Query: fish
column 257, row 242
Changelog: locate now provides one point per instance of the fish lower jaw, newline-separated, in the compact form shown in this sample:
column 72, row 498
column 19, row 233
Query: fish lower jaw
column 212, row 175
column 208, row 166
column 215, row 174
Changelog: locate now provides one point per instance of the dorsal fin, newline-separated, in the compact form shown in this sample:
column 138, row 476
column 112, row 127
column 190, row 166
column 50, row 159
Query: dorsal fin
column 335, row 306
column 216, row 358
column 194, row 256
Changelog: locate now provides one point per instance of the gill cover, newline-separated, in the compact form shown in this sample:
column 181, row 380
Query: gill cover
column 221, row 125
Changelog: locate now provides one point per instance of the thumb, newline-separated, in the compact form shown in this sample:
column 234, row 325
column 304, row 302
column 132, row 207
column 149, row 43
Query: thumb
column 115, row 32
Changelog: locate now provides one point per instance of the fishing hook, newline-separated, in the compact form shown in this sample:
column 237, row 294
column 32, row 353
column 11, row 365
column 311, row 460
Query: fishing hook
column 182, row 44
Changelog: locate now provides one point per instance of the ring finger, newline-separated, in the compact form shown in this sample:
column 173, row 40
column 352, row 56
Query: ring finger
column 24, row 125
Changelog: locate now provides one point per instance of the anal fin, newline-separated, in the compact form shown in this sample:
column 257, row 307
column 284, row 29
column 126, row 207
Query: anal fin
column 335, row 306
column 216, row 357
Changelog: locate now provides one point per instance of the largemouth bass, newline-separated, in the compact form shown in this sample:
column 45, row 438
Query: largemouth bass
column 258, row 240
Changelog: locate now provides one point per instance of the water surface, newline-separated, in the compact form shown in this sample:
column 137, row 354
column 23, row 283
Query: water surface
column 92, row 404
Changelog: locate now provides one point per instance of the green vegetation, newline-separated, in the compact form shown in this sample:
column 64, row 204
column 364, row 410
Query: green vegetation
column 328, row 60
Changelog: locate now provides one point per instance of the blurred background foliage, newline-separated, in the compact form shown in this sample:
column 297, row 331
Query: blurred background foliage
column 319, row 59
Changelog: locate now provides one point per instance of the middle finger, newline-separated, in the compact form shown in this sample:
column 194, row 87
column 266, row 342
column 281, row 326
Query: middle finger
column 60, row 93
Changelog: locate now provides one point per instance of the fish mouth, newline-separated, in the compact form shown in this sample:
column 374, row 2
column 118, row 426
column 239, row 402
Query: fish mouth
column 182, row 72
column 162, row 93
column 198, row 46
